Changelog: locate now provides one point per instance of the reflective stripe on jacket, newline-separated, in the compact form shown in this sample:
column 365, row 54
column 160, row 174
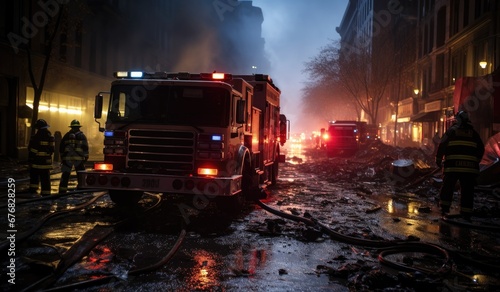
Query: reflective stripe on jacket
column 462, row 149
column 74, row 146
column 40, row 149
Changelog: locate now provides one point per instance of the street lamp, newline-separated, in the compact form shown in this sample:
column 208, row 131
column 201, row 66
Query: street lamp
column 483, row 64
column 416, row 91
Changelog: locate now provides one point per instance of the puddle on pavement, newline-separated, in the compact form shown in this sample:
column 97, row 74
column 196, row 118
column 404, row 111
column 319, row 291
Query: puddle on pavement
column 295, row 153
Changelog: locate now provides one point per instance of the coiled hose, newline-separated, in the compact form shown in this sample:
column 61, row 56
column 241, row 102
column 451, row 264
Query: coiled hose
column 391, row 247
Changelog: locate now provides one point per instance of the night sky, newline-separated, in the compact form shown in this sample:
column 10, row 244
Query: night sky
column 294, row 32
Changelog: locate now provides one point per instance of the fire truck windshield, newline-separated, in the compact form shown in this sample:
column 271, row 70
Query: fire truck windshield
column 179, row 105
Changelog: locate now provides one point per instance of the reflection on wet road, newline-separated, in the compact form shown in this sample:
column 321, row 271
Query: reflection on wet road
column 258, row 251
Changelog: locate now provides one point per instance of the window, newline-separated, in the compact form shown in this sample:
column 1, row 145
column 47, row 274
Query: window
column 441, row 27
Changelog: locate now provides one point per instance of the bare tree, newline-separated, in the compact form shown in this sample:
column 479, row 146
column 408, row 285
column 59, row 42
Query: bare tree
column 363, row 74
column 323, row 95
column 49, row 20
column 366, row 76
column 54, row 22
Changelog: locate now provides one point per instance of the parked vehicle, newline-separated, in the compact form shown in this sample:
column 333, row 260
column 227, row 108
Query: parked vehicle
column 343, row 138
column 210, row 136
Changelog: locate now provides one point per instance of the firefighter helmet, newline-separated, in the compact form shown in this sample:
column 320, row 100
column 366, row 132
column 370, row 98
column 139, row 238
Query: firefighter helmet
column 462, row 117
column 41, row 124
column 75, row 123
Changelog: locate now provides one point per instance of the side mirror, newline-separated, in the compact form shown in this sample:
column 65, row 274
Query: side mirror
column 98, row 106
column 240, row 111
column 284, row 130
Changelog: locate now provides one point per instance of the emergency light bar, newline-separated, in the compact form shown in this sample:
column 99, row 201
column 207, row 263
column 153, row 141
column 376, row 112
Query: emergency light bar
column 135, row 74
column 128, row 74
column 217, row 75
column 179, row 75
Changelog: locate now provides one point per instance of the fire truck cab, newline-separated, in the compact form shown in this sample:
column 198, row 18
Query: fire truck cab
column 212, row 135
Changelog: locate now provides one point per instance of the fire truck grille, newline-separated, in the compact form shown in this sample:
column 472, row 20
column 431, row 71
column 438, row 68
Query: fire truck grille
column 161, row 150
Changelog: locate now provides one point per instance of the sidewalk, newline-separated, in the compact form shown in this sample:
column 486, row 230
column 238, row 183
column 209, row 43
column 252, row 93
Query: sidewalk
column 19, row 170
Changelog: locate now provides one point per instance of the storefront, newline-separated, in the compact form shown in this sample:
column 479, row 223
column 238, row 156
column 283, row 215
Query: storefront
column 407, row 135
column 428, row 122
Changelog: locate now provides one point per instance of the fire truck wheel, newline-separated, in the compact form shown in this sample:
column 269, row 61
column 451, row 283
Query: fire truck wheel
column 125, row 198
column 246, row 181
column 274, row 174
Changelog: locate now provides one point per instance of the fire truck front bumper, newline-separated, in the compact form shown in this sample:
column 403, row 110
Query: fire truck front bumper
column 210, row 186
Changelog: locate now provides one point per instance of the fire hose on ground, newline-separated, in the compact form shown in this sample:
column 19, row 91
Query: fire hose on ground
column 97, row 235
column 389, row 247
column 23, row 235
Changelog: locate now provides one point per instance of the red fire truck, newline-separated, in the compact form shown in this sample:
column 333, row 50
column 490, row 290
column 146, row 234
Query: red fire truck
column 343, row 138
column 212, row 135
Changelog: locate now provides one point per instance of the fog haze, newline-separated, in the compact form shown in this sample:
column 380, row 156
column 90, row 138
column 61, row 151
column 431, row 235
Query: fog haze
column 294, row 32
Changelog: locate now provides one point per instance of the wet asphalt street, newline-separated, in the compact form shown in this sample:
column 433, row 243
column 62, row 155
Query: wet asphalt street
column 260, row 251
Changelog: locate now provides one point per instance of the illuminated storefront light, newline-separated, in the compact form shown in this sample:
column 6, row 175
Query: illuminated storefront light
column 46, row 108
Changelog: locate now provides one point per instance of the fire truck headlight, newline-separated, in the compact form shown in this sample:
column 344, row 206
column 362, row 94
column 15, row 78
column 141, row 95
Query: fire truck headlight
column 207, row 171
column 103, row 166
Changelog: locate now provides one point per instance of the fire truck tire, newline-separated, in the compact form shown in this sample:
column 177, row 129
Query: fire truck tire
column 125, row 198
column 274, row 174
column 246, row 181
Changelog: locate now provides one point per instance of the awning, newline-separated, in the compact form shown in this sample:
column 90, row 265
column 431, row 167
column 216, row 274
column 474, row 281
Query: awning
column 424, row 117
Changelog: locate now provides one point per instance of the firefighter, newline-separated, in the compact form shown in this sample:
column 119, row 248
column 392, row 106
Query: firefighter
column 74, row 149
column 462, row 149
column 40, row 147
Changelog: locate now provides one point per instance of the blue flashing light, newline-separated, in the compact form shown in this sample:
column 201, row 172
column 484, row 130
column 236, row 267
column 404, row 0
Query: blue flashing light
column 136, row 74
column 108, row 133
column 216, row 137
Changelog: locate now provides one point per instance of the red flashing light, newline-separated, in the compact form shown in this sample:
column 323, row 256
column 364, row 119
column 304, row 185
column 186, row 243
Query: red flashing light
column 218, row 76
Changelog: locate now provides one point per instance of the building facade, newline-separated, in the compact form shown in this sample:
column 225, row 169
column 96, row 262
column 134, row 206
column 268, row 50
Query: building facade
column 435, row 44
column 94, row 38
